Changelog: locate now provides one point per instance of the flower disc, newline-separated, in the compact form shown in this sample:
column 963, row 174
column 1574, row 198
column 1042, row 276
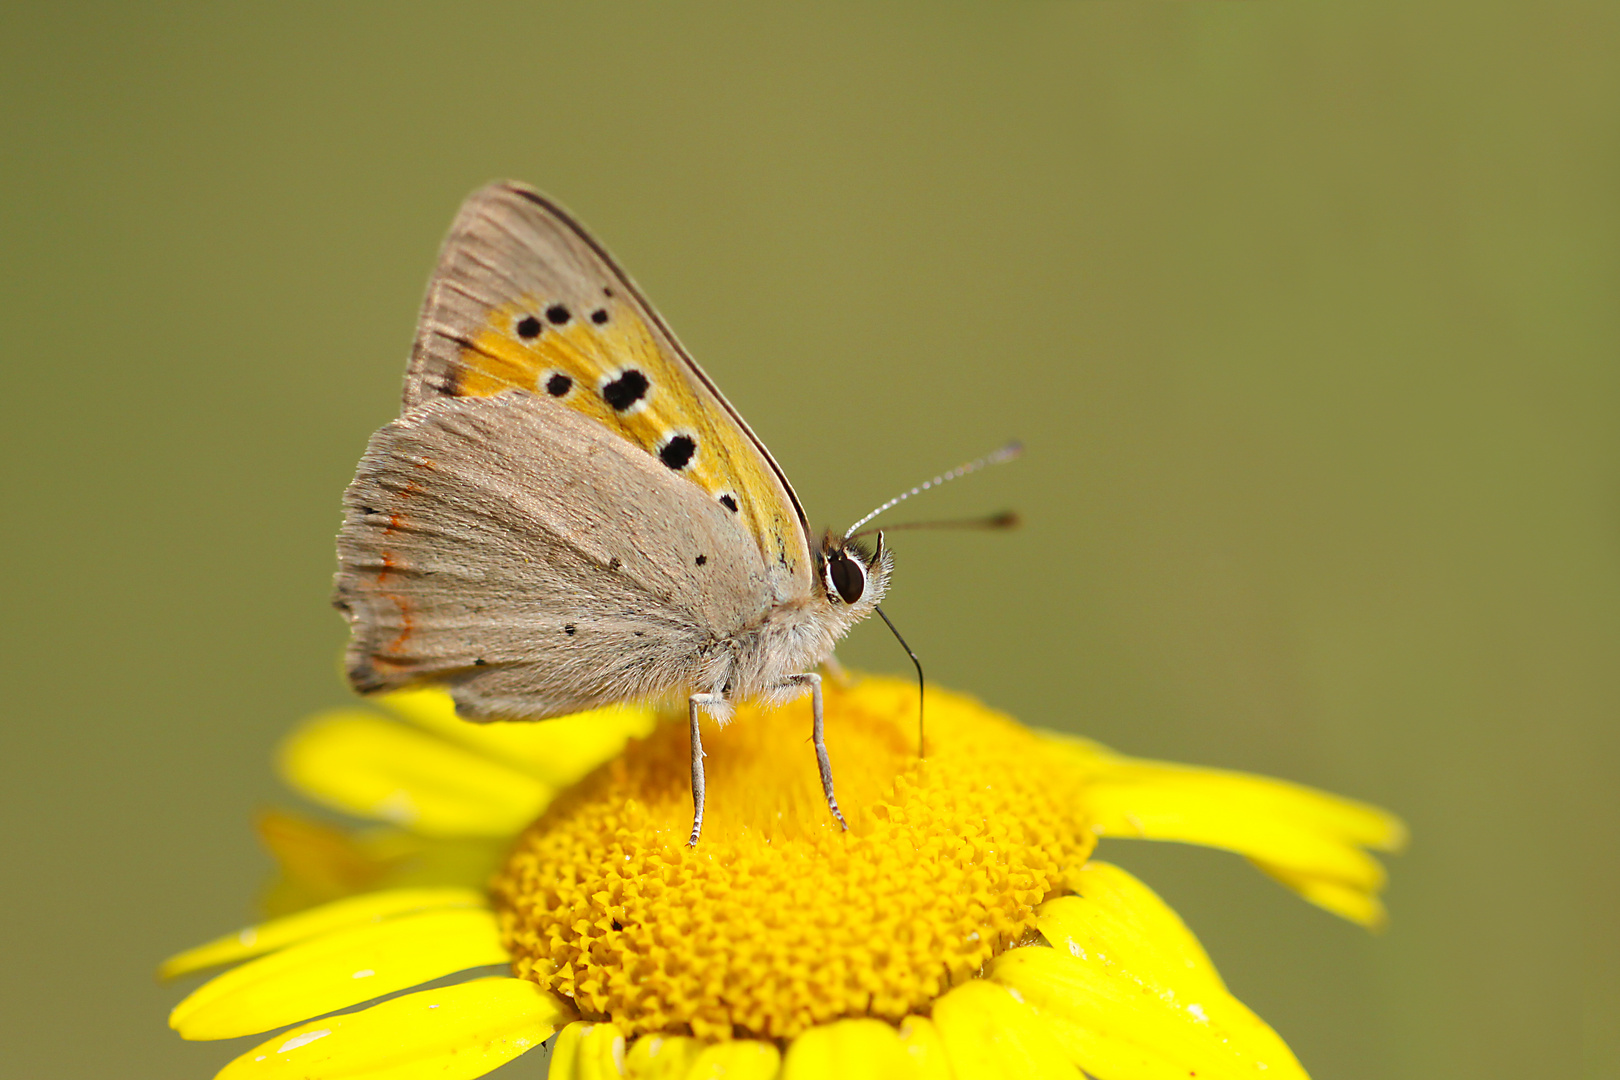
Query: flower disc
column 778, row 920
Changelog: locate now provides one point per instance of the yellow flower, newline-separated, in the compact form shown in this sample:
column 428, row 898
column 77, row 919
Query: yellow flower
column 958, row 929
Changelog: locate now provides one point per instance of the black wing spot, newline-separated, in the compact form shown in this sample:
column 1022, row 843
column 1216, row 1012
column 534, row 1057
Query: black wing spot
column 701, row 559
column 606, row 291
column 528, row 328
column 626, row 390
column 599, row 316
column 615, row 562
column 677, row 452
column 480, row 662
column 557, row 314
column 729, row 503
column 569, row 629
column 559, row 384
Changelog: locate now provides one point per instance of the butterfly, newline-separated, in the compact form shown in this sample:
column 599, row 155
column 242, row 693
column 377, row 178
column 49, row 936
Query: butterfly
column 567, row 512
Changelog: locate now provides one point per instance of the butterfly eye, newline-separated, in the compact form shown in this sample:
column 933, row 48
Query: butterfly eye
column 846, row 576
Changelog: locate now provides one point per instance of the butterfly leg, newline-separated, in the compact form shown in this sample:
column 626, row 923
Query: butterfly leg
column 696, row 702
column 838, row 673
column 813, row 681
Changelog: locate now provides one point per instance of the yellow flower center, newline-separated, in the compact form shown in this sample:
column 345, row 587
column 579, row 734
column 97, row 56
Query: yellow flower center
column 778, row 920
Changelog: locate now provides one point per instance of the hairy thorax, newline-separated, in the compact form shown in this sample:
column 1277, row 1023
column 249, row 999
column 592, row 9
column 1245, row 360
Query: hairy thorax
column 793, row 638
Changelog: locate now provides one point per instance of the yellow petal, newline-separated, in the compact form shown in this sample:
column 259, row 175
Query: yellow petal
column 1116, row 914
column 740, row 1059
column 989, row 1033
column 1348, row 820
column 1196, row 815
column 559, row 751
column 277, row 933
column 372, row 767
column 929, row 1058
column 337, row 970
column 1120, row 1026
column 393, row 858
column 565, row 1050
column 588, row 1051
column 848, row 1050
column 319, row 861
column 662, row 1057
column 1345, row 901
column 447, row 1033
column 1131, row 996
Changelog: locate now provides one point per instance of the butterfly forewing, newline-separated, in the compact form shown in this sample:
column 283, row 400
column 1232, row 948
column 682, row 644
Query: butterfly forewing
column 523, row 299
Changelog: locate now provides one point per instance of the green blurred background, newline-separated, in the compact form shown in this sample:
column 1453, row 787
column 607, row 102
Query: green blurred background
column 1307, row 313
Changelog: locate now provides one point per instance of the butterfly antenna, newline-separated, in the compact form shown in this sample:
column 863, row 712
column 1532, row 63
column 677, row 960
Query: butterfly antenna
column 1006, row 453
column 921, row 752
column 1003, row 519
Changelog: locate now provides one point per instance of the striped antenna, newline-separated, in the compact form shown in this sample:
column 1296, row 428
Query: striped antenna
column 1006, row 453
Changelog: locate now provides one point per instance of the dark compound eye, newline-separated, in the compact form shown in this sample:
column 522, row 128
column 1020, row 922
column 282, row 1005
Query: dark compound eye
column 599, row 316
column 847, row 576
column 557, row 314
column 559, row 384
column 528, row 328
column 677, row 452
column 626, row 390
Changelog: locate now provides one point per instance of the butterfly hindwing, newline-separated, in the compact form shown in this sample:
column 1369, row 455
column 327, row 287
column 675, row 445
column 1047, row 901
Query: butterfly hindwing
column 523, row 299
column 468, row 558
